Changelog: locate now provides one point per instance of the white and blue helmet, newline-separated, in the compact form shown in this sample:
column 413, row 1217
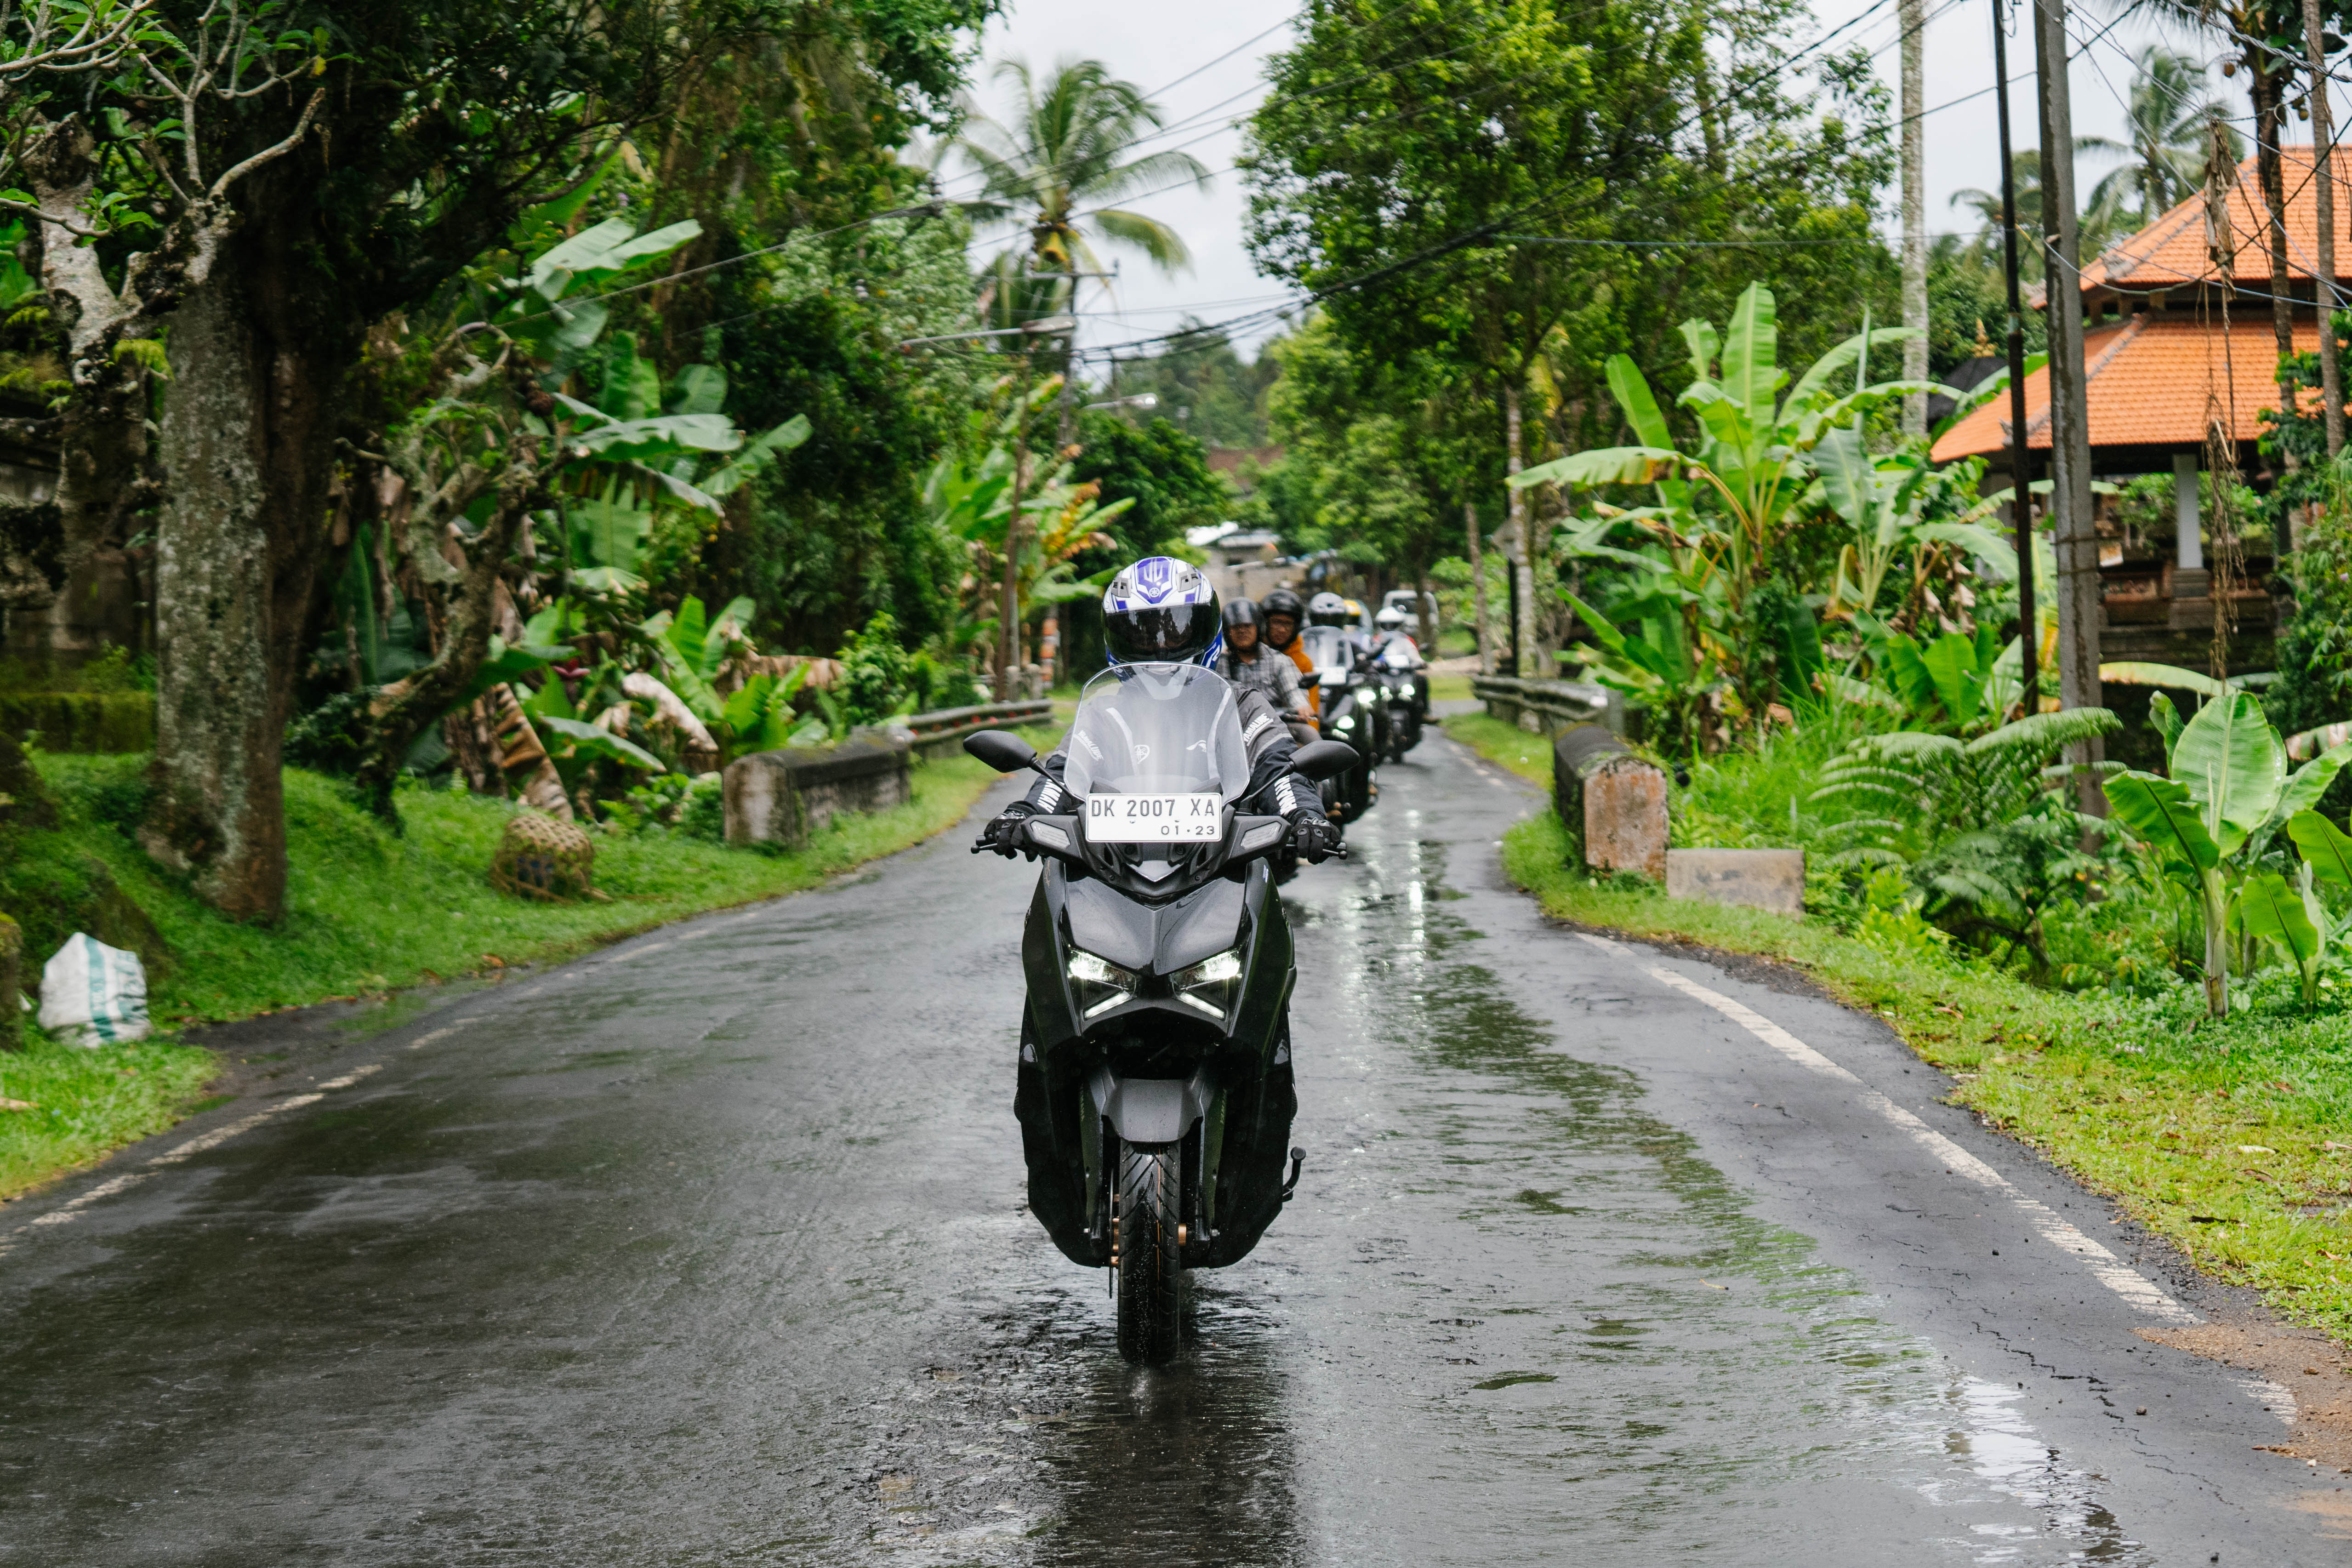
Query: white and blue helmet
column 1161, row 611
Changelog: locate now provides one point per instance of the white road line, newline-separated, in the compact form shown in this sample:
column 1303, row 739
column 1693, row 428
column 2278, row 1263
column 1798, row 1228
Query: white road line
column 2111, row 1271
column 443, row 1033
column 196, row 1145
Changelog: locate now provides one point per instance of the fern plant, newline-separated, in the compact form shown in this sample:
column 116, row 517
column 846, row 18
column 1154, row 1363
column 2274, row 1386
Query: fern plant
column 1995, row 845
column 1932, row 788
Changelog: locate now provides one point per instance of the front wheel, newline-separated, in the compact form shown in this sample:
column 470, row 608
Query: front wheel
column 1151, row 1253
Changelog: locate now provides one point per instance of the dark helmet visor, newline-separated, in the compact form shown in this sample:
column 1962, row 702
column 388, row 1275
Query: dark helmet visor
column 1160, row 633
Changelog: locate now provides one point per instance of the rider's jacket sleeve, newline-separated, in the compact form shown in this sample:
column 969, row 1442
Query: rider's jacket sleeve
column 1274, row 789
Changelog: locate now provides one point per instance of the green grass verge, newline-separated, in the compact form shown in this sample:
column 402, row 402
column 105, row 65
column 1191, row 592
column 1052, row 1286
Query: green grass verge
column 370, row 913
column 2232, row 1139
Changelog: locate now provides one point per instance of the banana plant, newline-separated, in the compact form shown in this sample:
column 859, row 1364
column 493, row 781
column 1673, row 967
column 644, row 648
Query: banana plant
column 1733, row 493
column 2229, row 795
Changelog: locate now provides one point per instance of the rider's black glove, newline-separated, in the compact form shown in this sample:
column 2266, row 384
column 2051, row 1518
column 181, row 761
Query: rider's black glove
column 1002, row 833
column 1314, row 838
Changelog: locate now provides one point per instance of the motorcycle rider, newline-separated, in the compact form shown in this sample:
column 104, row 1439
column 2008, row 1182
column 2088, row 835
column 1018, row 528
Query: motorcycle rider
column 1285, row 613
column 1163, row 611
column 1390, row 622
column 1247, row 662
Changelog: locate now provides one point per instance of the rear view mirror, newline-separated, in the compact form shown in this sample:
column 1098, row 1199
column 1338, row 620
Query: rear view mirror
column 1318, row 759
column 1001, row 749
column 1310, row 680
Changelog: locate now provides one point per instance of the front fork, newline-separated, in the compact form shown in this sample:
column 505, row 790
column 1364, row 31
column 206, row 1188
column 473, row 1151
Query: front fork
column 1203, row 1151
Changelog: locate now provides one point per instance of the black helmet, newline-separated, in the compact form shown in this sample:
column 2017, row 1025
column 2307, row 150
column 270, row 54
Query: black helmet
column 1282, row 601
column 1243, row 613
column 1161, row 611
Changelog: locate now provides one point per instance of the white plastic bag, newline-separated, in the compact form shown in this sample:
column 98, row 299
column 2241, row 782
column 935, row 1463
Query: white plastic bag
column 94, row 995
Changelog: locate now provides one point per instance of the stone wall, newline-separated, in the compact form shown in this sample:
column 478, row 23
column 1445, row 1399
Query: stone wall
column 786, row 796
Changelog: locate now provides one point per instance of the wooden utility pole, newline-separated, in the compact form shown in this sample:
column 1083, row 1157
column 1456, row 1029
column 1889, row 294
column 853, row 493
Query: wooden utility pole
column 2323, row 291
column 2020, row 454
column 1915, row 212
column 2074, row 533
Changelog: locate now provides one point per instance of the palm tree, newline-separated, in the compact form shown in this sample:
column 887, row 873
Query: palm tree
column 2167, row 119
column 1059, row 162
column 2025, row 171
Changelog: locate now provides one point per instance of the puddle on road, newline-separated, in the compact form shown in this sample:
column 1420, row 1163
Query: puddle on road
column 1513, row 1316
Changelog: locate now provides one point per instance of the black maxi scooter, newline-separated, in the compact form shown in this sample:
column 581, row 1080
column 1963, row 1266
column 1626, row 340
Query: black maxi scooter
column 1155, row 1090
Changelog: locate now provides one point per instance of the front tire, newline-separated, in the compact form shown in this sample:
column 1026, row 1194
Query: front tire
column 1150, row 1261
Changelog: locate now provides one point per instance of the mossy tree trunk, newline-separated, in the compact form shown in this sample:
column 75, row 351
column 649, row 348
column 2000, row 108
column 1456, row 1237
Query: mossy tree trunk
column 247, row 442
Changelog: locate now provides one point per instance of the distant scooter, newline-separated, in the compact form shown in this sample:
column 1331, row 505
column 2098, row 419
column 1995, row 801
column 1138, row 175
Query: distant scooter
column 1354, row 710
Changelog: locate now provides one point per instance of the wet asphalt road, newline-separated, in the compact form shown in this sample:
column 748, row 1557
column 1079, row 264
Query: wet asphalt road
column 709, row 1250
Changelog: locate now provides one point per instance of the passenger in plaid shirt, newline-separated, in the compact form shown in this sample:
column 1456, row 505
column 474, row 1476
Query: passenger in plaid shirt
column 1249, row 663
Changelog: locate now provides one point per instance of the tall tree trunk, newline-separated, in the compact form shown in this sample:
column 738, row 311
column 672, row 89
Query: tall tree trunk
column 2075, row 534
column 1008, row 633
column 218, row 814
column 1915, row 212
column 2323, row 293
column 104, row 476
column 257, row 341
column 1523, row 581
column 1478, row 588
column 2268, row 91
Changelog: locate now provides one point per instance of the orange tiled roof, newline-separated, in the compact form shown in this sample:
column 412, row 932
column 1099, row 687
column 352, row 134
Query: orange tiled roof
column 2147, row 380
column 2171, row 252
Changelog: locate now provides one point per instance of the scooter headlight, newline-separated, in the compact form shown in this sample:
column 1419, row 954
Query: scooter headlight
column 1208, row 986
column 1101, row 985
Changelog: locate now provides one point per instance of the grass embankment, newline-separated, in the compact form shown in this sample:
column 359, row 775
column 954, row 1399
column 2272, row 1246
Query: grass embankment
column 2233, row 1140
column 368, row 912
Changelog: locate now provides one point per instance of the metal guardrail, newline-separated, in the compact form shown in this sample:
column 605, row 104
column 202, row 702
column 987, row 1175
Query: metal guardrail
column 1548, row 706
column 937, row 732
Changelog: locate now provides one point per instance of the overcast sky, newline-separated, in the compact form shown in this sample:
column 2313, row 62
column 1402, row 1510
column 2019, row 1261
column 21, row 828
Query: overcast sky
column 1161, row 49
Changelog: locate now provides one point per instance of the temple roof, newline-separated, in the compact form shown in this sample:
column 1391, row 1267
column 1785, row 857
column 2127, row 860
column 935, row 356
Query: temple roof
column 2171, row 252
column 2148, row 381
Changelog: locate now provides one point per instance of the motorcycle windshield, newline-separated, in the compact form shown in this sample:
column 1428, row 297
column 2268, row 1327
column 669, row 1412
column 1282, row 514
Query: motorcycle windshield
column 1329, row 648
column 1157, row 730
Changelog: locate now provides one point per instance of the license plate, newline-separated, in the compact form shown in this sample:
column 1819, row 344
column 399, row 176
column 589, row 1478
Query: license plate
column 1155, row 818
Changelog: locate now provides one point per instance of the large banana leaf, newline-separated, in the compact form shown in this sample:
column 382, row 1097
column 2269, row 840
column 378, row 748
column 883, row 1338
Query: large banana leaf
column 1817, row 379
column 2231, row 760
column 2161, row 814
column 1641, row 405
column 696, row 389
column 2269, row 908
column 2308, row 782
column 612, row 245
column 2326, row 848
column 1608, row 466
column 570, row 738
column 1705, row 346
column 2134, row 672
column 1751, row 357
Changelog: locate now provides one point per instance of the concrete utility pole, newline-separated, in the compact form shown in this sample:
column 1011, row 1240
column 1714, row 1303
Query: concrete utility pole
column 1914, row 211
column 2076, row 534
column 2323, row 291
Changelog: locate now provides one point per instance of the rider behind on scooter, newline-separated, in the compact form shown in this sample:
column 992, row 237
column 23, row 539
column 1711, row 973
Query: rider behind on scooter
column 1163, row 611
column 1249, row 663
column 1285, row 613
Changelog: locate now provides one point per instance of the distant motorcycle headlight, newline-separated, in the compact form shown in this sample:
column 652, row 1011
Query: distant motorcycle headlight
column 1100, row 983
column 1208, row 986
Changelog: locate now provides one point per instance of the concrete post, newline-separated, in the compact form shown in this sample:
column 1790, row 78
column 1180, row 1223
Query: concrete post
column 2191, row 556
